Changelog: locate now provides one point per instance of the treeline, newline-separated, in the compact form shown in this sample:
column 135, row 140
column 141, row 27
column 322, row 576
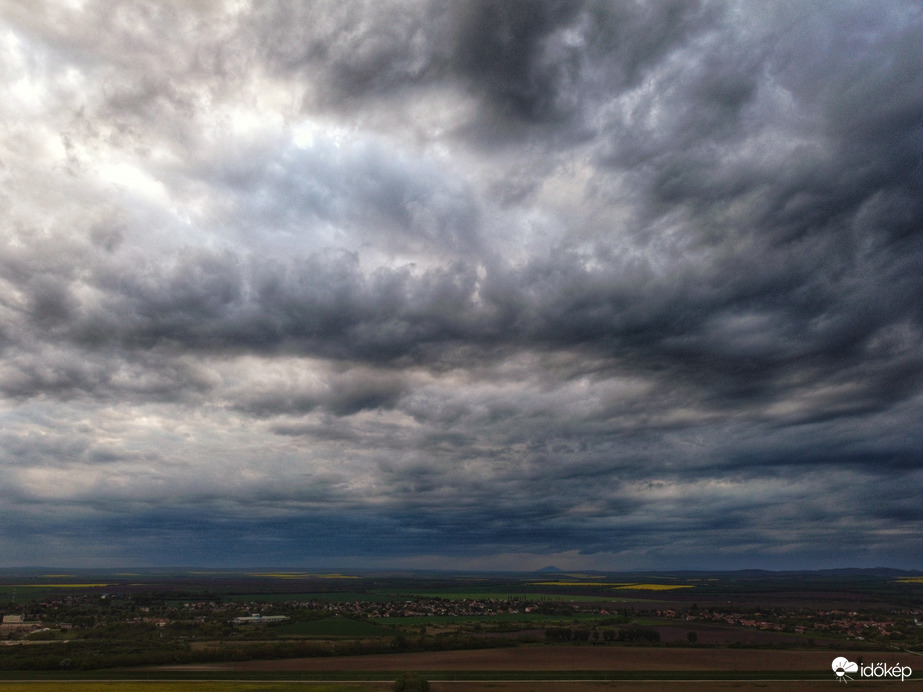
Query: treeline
column 630, row 635
column 97, row 654
column 89, row 655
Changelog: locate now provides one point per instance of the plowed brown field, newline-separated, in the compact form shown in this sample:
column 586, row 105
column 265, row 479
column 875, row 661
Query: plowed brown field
column 660, row 686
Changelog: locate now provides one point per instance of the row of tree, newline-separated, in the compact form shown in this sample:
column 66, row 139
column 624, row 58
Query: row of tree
column 623, row 635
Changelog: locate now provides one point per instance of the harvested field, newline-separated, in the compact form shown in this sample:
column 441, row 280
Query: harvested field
column 654, row 686
column 563, row 658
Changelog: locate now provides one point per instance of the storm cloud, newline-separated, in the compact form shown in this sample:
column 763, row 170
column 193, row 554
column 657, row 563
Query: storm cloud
column 478, row 284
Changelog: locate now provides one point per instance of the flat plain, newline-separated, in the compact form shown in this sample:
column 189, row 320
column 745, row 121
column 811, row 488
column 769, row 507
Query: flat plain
column 108, row 632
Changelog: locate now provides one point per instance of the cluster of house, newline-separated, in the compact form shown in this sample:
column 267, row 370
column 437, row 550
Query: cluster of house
column 418, row 607
column 837, row 621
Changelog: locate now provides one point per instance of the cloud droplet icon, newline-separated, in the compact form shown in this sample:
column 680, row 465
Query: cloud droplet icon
column 841, row 666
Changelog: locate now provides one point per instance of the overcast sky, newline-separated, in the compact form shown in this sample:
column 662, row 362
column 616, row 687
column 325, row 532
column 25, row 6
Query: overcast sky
column 613, row 285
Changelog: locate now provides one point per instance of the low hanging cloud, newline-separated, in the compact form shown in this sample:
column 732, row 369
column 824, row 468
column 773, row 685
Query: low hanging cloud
column 605, row 285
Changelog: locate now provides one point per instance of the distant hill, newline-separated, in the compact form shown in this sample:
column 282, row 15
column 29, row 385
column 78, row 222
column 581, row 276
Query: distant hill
column 549, row 568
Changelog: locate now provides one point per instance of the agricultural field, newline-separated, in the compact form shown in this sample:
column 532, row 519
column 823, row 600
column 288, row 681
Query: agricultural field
column 187, row 686
column 573, row 659
column 334, row 627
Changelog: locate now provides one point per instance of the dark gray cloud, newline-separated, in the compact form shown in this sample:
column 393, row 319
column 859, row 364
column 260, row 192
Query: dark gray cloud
column 503, row 49
column 464, row 284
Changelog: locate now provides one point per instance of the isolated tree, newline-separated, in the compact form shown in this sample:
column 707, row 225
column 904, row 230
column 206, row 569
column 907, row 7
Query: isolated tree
column 692, row 637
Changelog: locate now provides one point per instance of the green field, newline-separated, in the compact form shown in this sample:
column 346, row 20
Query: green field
column 390, row 595
column 502, row 596
column 335, row 596
column 335, row 627
column 23, row 594
column 529, row 618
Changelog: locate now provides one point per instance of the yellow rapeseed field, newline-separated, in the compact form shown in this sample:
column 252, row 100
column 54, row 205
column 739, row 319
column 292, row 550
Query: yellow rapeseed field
column 656, row 587
column 617, row 585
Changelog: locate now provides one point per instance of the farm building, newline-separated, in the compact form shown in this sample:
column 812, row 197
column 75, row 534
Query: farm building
column 260, row 619
column 15, row 622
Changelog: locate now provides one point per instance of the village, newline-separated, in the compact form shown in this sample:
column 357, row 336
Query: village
column 84, row 614
column 848, row 624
